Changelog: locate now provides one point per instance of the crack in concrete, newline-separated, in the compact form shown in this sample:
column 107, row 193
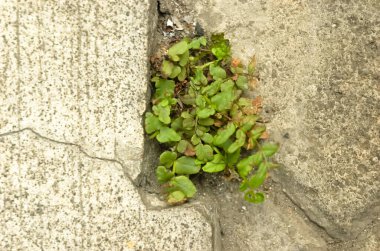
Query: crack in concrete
column 313, row 222
column 80, row 148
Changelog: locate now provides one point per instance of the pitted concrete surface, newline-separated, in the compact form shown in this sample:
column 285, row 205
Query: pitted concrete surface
column 319, row 66
column 76, row 71
column 56, row 197
column 73, row 88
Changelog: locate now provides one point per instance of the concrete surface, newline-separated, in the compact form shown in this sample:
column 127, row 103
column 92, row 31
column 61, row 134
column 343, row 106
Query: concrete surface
column 73, row 88
column 274, row 225
column 56, row 197
column 76, row 71
column 319, row 65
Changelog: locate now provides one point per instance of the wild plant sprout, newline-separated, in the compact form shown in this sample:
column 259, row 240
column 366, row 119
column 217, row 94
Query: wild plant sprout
column 200, row 115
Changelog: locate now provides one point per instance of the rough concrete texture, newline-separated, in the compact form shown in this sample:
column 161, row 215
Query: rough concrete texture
column 56, row 197
column 76, row 71
column 319, row 66
column 73, row 88
column 274, row 225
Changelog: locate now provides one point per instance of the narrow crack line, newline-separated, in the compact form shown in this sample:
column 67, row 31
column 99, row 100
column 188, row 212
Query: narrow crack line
column 315, row 223
column 67, row 144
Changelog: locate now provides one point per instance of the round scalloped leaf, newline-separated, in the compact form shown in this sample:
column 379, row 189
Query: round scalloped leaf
column 163, row 175
column 167, row 158
column 167, row 134
column 183, row 184
column 185, row 165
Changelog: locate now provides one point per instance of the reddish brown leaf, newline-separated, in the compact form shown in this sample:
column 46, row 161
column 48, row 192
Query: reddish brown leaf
column 257, row 104
column 235, row 62
column 190, row 152
column 218, row 123
column 265, row 135
column 253, row 83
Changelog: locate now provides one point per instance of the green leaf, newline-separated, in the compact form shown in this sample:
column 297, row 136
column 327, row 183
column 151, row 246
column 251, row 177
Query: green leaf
column 176, row 197
column 256, row 159
column 243, row 102
column 224, row 134
column 184, row 58
column 213, row 168
column 186, row 115
column 185, row 165
column 163, row 174
column 152, row 123
column 242, row 82
column 211, row 89
column 257, row 132
column 187, row 100
column 220, row 46
column 199, row 77
column 177, row 49
column 196, row 43
column 167, row 158
column 217, row 72
column 224, row 100
column 167, row 134
column 248, row 122
column 206, row 121
column 207, row 138
column 199, row 133
column 183, row 184
column 253, row 197
column 216, row 165
column 259, row 177
column 167, row 68
column 240, row 140
column 177, row 123
column 195, row 140
column 233, row 158
column 164, row 88
column 269, row 149
column 245, row 165
column 203, row 41
column 243, row 185
column 227, row 86
column 163, row 113
column 200, row 101
column 176, row 71
column 182, row 146
column 205, row 112
column 204, row 152
column 188, row 123
column 183, row 74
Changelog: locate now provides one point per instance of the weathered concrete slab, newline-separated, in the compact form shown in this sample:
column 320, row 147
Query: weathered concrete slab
column 274, row 225
column 75, row 74
column 55, row 197
column 319, row 65
column 76, row 71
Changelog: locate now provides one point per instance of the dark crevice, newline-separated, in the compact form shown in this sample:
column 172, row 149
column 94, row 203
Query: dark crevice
column 313, row 222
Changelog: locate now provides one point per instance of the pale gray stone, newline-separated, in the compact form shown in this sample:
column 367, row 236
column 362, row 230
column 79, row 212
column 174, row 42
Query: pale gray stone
column 56, row 197
column 77, row 71
column 319, row 65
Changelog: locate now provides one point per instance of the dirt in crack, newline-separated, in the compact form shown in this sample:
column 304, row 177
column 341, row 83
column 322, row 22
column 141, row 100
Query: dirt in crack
column 237, row 225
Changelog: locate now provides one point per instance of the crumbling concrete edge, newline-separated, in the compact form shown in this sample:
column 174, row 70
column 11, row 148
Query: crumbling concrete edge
column 151, row 150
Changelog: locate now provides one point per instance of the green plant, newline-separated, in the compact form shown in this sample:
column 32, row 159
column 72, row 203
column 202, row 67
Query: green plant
column 206, row 124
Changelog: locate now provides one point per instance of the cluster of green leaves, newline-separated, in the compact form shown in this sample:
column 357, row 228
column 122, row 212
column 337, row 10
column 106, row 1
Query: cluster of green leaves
column 199, row 113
